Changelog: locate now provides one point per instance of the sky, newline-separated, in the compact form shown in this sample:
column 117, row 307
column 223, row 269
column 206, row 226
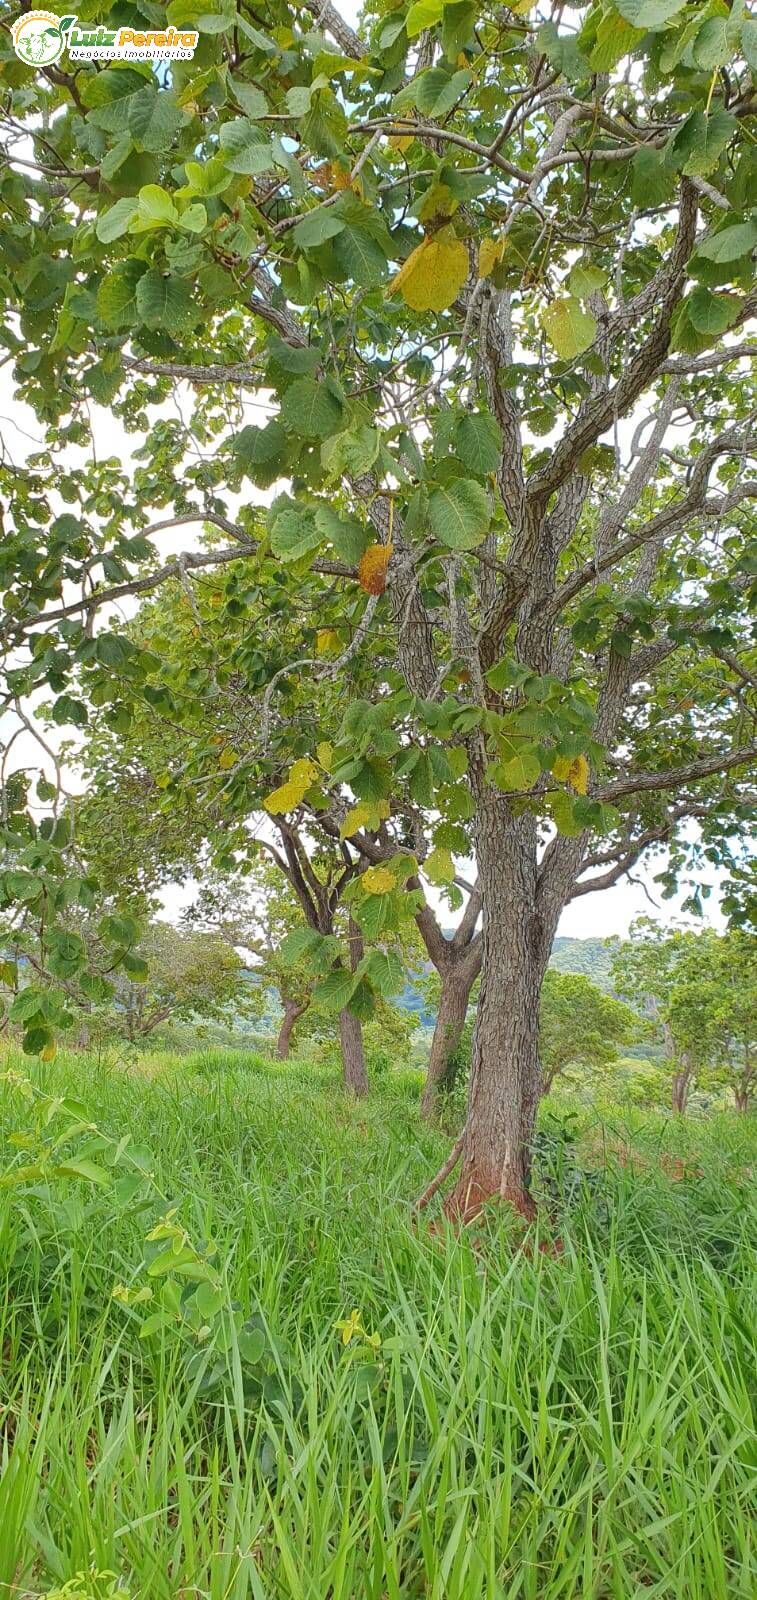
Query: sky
column 592, row 916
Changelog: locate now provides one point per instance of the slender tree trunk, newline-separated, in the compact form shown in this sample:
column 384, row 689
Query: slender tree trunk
column 505, row 1085
column 292, row 1011
column 741, row 1100
column 457, row 983
column 351, row 1028
column 353, row 1055
column 680, row 1088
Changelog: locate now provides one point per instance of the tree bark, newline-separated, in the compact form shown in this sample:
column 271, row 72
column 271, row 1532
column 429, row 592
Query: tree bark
column 353, row 1055
column 680, row 1089
column 293, row 1010
column 351, row 1028
column 505, row 1085
column 457, row 983
column 741, row 1101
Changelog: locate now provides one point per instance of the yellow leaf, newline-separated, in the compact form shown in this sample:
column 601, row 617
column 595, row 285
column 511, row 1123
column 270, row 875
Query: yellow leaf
column 400, row 141
column 439, row 866
column 326, row 642
column 288, row 796
column 573, row 770
column 490, row 252
column 371, row 573
column 364, row 815
column 433, row 274
column 378, row 880
column 49, row 1053
column 227, row 758
column 324, row 753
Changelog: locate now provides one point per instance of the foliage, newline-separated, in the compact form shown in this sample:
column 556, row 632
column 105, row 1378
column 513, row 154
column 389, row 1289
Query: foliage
column 579, row 1024
column 467, row 598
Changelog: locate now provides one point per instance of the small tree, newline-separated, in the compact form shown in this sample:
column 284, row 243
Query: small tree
column 579, row 1025
column 190, row 977
column 712, row 1009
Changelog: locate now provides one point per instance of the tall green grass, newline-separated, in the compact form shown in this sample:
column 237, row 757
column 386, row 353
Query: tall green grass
column 532, row 1425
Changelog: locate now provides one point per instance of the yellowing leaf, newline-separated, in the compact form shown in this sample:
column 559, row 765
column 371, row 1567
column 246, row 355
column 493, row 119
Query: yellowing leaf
column 439, row 866
column 50, row 1052
column 378, row 880
column 490, row 252
column 326, row 642
column 400, row 141
column 573, row 770
column 433, row 274
column 569, row 328
column 365, row 814
column 324, row 752
column 227, row 758
column 371, row 573
column 288, row 796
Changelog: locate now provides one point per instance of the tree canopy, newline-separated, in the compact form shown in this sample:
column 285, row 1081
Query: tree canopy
column 480, row 564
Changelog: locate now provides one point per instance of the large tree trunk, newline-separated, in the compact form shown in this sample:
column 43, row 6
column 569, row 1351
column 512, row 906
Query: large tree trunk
column 293, row 1010
column 353, row 1056
column 450, row 1021
column 505, row 1085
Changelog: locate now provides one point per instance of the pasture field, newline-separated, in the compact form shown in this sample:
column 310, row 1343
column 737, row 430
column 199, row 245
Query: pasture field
column 297, row 1394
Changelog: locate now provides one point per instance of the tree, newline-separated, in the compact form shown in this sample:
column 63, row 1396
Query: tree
column 712, row 1009
column 488, row 271
column 189, row 976
column 579, row 1024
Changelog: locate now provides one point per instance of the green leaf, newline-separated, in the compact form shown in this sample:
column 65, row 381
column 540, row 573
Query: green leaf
column 315, row 229
column 698, row 145
column 334, row 992
column 246, row 147
column 113, row 223
column 82, row 1167
column 711, row 313
column 293, row 532
column 156, row 210
column 153, row 118
column 164, row 301
column 459, row 514
column 353, row 452
column 731, row 243
column 251, row 99
column 310, row 409
column 348, row 537
column 436, row 90
column 256, row 446
column 653, row 178
column 615, row 38
column 569, row 328
column 478, row 443
column 521, row 771
column 649, row 13
column 117, row 294
column 360, row 256
column 561, row 806
column 585, row 279
column 749, row 41
column 423, row 14
column 712, row 47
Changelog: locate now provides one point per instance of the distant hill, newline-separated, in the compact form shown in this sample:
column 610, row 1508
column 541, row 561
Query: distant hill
column 590, row 957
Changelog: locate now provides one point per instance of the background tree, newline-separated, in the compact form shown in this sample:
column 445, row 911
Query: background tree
column 644, row 970
column 712, row 1009
column 190, row 976
column 579, row 1025
column 489, row 271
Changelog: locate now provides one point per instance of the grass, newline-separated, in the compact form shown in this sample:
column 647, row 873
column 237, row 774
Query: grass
column 530, row 1426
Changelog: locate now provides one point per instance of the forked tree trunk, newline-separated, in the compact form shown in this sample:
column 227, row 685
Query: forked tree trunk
column 353, row 1055
column 448, row 1028
column 293, row 1010
column 505, row 1085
